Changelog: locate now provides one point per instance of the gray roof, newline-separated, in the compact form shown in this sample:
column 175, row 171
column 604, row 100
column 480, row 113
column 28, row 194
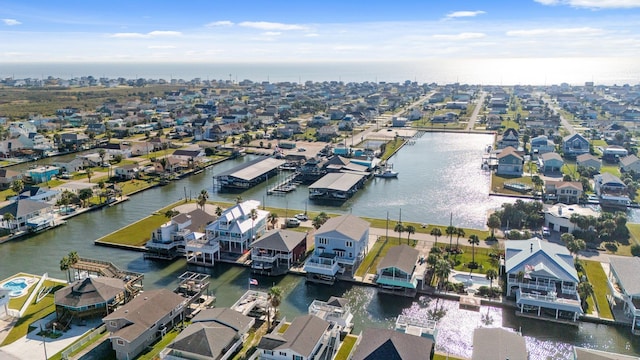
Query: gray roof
column 498, row 344
column 208, row 339
column 252, row 169
column 199, row 219
column 89, row 291
column 402, row 257
column 337, row 181
column 337, row 302
column 607, row 178
column 225, row 316
column 586, row 157
column 144, row 310
column 24, row 207
column 628, row 160
column 548, row 259
column 592, row 354
column 627, row 269
column 392, row 345
column 280, row 240
column 349, row 226
column 551, row 156
column 301, row 336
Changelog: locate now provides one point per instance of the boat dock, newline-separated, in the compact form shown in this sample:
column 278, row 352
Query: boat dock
column 337, row 186
column 285, row 186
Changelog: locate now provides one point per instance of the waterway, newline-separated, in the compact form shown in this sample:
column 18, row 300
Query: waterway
column 439, row 175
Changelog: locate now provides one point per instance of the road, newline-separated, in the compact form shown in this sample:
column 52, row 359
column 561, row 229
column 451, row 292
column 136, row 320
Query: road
column 474, row 116
column 563, row 122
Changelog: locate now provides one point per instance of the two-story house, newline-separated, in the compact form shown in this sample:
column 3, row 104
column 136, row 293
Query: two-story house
column 169, row 240
column 541, row 145
column 302, row 340
column 625, row 288
column 139, row 323
column 277, row 250
column 510, row 162
column 340, row 245
column 589, row 161
column 510, row 137
column 574, row 145
column 566, row 192
column 397, row 271
column 542, row 278
column 550, row 163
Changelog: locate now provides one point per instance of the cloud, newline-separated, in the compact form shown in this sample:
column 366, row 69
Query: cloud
column 457, row 14
column 11, row 22
column 271, row 26
column 594, row 4
column 161, row 47
column 461, row 36
column 311, row 35
column 220, row 23
column 555, row 32
column 152, row 34
column 272, row 33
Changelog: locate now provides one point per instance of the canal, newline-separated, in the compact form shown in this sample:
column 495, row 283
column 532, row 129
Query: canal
column 439, row 175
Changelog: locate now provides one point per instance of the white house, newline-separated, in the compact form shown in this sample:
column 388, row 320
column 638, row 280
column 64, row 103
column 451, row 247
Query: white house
column 557, row 217
column 302, row 340
column 625, row 288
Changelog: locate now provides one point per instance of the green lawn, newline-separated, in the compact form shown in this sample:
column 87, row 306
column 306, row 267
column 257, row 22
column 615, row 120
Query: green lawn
column 611, row 169
column 377, row 252
column 391, row 147
column 345, row 347
column 153, row 352
column 34, row 312
column 481, row 257
column 498, row 181
column 598, row 279
column 439, row 356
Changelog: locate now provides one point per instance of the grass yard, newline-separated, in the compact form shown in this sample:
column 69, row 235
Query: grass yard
column 34, row 312
column 391, row 148
column 481, row 256
column 611, row 169
column 598, row 279
column 377, row 252
column 497, row 183
column 153, row 352
column 439, row 356
column 346, row 347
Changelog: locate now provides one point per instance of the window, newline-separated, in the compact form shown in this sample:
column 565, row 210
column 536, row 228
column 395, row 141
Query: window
column 268, row 352
column 120, row 342
column 282, row 353
column 349, row 243
column 113, row 323
column 322, row 241
column 297, row 357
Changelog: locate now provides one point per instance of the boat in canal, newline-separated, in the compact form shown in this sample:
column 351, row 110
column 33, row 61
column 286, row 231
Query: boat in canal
column 387, row 172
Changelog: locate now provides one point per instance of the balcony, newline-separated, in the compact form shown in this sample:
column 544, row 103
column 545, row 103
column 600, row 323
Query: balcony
column 322, row 265
column 203, row 245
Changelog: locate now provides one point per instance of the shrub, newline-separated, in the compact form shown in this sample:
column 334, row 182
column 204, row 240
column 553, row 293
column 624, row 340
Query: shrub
column 611, row 247
column 635, row 250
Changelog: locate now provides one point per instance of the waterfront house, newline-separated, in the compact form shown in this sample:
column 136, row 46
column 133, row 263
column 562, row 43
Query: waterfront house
column 574, row 145
column 191, row 155
column 510, row 162
column 566, row 192
column 139, row 323
column 510, row 138
column 71, row 166
column 38, row 193
column 558, row 216
column 214, row 334
column 611, row 190
column 127, row 171
column 277, row 250
column 340, row 245
column 589, row 161
column 550, row 163
column 27, row 214
column 614, row 153
column 88, row 297
column 117, row 149
column 232, row 232
column 396, row 272
column 42, row 174
column 390, row 344
column 7, row 177
column 498, row 344
column 581, row 353
column 542, row 145
column 335, row 310
column 306, row 338
column 630, row 163
column 625, row 288
column 542, row 278
column 169, row 240
column 73, row 140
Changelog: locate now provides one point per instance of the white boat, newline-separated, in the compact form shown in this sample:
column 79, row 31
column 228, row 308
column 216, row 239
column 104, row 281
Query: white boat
column 387, row 172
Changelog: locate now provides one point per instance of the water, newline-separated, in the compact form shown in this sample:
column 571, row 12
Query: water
column 435, row 190
column 487, row 71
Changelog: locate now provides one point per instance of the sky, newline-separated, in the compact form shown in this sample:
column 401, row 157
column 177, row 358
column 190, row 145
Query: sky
column 314, row 31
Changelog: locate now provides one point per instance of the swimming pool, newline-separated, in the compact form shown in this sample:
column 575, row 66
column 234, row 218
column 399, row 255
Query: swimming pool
column 471, row 280
column 18, row 286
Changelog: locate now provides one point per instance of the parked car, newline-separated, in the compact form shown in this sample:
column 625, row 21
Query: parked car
column 546, row 232
column 302, row 217
column 292, row 222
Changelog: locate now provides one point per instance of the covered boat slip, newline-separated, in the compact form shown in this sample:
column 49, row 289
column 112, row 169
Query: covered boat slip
column 548, row 305
column 248, row 174
column 337, row 186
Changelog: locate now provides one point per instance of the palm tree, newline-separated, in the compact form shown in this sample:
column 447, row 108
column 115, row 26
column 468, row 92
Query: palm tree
column 319, row 220
column 84, row 195
column 450, row 230
column 254, row 216
column 273, row 219
column 171, row 213
column 238, row 199
column 8, row 218
column 202, row 198
column 575, row 246
column 442, row 270
column 473, row 240
column 218, row 211
column 459, row 233
column 585, row 290
column 64, row 266
column 275, row 298
column 89, row 172
column 493, row 223
column 436, row 232
column 399, row 229
column 102, row 153
column 410, row 229
column 72, row 258
column 17, row 186
column 491, row 275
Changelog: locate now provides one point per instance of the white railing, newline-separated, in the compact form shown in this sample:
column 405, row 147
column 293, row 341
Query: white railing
column 78, row 344
column 395, row 278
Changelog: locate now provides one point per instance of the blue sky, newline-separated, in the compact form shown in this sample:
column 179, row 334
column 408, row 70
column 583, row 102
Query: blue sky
column 269, row 31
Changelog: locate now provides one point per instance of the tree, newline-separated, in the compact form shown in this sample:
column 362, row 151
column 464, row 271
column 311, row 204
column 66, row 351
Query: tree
column 491, row 275
column 102, row 153
column 399, row 228
column 274, row 299
column 410, row 229
column 171, row 213
column 238, row 199
column 319, row 220
column 273, row 219
column 566, row 238
column 436, row 232
column 89, row 172
column 8, row 218
column 450, row 230
column 473, row 240
column 84, row 195
column 17, row 186
column 64, row 266
column 575, row 246
column 218, row 211
column 254, row 215
column 459, row 232
column 442, row 270
column 585, row 290
column 635, row 250
column 202, row 198
column 493, row 223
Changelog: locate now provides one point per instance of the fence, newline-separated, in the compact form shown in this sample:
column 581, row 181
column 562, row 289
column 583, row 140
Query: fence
column 97, row 332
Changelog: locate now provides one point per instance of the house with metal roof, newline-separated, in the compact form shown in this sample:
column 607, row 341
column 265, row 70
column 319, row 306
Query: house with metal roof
column 169, row 240
column 337, row 186
column 498, row 344
column 550, row 163
column 335, row 310
column 574, row 145
column 625, row 288
column 233, row 232
column 630, row 163
column 510, row 162
column 277, row 250
column 340, row 245
column 588, row 160
column 305, row 339
column 140, row 322
column 581, row 353
column 542, row 277
column 566, row 192
column 611, row 190
column 397, row 270
column 389, row 344
column 27, row 214
column 89, row 297
column 249, row 174
column 214, row 334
